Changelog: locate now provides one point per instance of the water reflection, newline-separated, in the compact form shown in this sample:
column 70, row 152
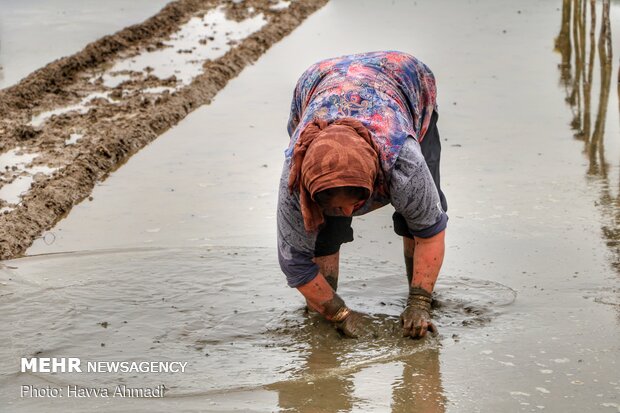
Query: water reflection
column 420, row 389
column 409, row 378
column 585, row 34
column 388, row 372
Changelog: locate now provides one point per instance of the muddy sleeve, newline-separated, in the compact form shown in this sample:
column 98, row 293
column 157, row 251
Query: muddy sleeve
column 413, row 193
column 295, row 245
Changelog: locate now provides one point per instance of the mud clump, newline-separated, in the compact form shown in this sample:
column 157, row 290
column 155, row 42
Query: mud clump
column 118, row 120
column 25, row 132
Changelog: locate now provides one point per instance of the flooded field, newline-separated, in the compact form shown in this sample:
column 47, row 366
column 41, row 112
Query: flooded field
column 67, row 26
column 174, row 257
column 192, row 305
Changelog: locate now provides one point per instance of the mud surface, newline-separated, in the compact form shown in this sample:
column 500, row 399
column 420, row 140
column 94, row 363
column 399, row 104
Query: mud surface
column 534, row 209
column 82, row 116
column 190, row 305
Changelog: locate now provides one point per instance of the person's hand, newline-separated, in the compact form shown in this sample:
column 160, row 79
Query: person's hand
column 356, row 325
column 416, row 319
column 416, row 322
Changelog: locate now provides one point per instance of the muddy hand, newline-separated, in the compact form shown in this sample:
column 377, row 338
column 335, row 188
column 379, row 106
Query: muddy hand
column 416, row 322
column 356, row 325
column 416, row 319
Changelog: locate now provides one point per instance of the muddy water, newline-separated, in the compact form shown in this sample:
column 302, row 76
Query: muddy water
column 533, row 213
column 193, row 305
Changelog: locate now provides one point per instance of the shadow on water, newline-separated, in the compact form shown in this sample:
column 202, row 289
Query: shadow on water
column 585, row 46
column 401, row 372
column 226, row 312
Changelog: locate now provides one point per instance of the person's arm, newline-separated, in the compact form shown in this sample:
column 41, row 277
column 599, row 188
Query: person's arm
column 296, row 253
column 427, row 260
column 415, row 197
column 323, row 299
column 295, row 245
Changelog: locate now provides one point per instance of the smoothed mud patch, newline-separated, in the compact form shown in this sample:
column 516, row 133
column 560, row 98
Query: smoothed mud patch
column 81, row 117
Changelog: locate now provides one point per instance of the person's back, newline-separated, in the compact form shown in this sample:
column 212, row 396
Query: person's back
column 355, row 126
column 391, row 93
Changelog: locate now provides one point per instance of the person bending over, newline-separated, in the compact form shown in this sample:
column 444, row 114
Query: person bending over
column 363, row 132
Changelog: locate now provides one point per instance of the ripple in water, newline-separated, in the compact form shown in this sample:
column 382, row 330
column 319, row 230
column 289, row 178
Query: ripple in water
column 226, row 311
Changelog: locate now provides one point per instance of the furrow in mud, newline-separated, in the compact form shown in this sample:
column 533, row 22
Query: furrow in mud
column 69, row 124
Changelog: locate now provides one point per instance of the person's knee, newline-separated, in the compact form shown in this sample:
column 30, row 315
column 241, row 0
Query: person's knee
column 443, row 201
column 400, row 225
column 337, row 231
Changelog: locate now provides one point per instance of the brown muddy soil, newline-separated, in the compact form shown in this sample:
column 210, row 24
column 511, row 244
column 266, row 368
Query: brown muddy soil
column 114, row 127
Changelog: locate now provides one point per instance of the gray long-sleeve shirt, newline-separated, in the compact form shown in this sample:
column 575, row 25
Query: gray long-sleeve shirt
column 412, row 192
column 393, row 95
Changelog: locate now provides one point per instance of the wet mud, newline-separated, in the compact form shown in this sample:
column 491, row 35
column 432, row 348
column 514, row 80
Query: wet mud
column 534, row 214
column 82, row 116
column 191, row 306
